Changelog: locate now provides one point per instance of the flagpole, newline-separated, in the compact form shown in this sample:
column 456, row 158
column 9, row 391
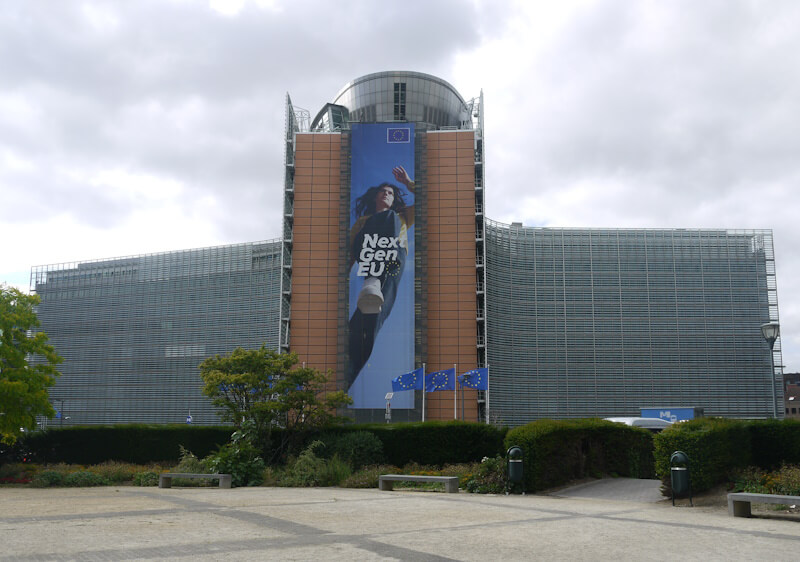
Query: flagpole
column 455, row 392
column 488, row 379
column 424, row 392
column 462, row 399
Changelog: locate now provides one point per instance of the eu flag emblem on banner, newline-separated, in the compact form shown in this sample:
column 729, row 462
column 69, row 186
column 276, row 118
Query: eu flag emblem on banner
column 409, row 381
column 476, row 378
column 441, row 380
column 398, row 134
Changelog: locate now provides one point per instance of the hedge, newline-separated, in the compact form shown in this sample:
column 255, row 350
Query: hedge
column 135, row 443
column 558, row 451
column 433, row 443
column 774, row 442
column 717, row 447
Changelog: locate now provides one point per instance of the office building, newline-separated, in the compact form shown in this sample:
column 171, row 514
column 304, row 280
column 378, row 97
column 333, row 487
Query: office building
column 133, row 330
column 387, row 263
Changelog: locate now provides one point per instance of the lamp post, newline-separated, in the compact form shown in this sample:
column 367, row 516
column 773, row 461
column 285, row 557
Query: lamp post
column 61, row 416
column 771, row 331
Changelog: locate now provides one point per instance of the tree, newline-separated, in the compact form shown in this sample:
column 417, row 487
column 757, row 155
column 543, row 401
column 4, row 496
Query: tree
column 23, row 387
column 267, row 389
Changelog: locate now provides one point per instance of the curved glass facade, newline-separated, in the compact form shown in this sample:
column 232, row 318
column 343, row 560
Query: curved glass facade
column 404, row 96
column 598, row 323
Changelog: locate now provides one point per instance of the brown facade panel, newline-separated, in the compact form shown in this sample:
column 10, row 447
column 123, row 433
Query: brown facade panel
column 315, row 256
column 450, row 276
column 452, row 324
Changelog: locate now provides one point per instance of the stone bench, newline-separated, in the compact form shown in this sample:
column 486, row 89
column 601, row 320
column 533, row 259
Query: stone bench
column 386, row 481
column 739, row 502
column 165, row 479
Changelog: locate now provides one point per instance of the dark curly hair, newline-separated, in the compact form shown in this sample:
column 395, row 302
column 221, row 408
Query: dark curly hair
column 365, row 205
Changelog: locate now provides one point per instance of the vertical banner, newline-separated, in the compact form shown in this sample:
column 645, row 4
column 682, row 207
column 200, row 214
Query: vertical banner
column 381, row 250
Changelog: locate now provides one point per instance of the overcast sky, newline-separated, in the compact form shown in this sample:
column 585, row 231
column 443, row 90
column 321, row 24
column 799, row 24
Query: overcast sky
column 155, row 125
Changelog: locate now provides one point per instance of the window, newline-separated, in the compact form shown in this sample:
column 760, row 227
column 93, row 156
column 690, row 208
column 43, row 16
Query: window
column 399, row 101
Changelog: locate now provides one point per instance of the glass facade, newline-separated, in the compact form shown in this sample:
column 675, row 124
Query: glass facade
column 133, row 330
column 597, row 323
column 405, row 96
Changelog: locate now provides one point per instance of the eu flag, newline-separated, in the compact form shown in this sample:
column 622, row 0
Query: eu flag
column 476, row 378
column 408, row 381
column 398, row 134
column 441, row 380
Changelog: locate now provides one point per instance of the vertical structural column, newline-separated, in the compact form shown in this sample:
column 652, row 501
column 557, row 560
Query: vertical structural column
column 451, row 281
column 316, row 276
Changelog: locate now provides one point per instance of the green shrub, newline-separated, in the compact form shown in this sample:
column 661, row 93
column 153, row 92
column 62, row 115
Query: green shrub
column 486, row 477
column 239, row 458
column 431, row 443
column 84, row 478
column 145, row 479
column 133, row 443
column 307, row 469
column 272, row 476
column 115, row 471
column 11, row 470
column 190, row 464
column 784, row 481
column 438, row 443
column 716, row 448
column 555, row 452
column 47, row 478
column 367, row 477
column 16, row 473
column 774, row 442
column 788, row 480
column 357, row 448
column 335, row 472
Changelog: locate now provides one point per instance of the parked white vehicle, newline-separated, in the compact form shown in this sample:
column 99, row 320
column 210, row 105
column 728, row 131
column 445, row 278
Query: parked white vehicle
column 653, row 424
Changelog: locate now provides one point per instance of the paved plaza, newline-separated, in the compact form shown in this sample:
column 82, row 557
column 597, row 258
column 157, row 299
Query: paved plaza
column 130, row 523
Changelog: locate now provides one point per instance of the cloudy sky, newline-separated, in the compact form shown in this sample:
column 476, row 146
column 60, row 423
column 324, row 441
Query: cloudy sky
column 156, row 125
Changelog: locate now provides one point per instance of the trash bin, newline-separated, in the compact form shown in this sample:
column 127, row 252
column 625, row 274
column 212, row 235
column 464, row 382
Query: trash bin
column 680, row 476
column 515, row 470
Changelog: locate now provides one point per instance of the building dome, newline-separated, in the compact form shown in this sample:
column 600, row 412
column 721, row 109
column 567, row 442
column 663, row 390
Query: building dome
column 401, row 96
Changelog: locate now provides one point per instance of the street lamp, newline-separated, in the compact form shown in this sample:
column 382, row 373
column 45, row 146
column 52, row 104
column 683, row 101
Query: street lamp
column 60, row 412
column 771, row 331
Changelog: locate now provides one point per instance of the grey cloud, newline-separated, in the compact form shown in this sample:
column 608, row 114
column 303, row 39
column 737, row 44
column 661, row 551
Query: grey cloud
column 174, row 90
column 693, row 102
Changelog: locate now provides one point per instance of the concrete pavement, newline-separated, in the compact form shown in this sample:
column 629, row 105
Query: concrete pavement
column 618, row 489
column 129, row 523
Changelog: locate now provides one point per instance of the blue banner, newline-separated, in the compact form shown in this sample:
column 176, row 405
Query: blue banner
column 441, row 380
column 381, row 266
column 476, row 378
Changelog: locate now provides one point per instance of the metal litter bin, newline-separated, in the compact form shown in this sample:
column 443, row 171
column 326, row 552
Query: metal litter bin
column 515, row 468
column 680, row 476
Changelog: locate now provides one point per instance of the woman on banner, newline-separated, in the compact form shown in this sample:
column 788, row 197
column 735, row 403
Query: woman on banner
column 379, row 246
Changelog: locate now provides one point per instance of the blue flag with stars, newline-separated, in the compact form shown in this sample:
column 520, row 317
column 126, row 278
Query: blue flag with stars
column 441, row 380
column 398, row 134
column 476, row 378
column 408, row 381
